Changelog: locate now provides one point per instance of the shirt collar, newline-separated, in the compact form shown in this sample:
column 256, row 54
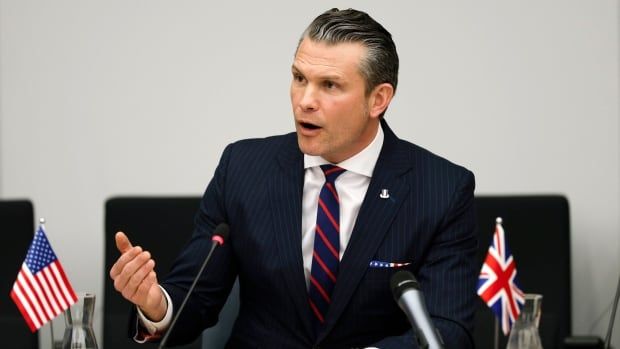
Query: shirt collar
column 362, row 163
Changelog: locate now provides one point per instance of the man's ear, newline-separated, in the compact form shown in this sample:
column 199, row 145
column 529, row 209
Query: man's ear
column 380, row 98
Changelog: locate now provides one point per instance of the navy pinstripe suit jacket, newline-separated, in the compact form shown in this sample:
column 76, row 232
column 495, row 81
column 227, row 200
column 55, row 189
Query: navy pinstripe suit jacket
column 428, row 220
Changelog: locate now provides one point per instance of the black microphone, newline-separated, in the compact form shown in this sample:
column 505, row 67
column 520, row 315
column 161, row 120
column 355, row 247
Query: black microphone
column 407, row 294
column 220, row 234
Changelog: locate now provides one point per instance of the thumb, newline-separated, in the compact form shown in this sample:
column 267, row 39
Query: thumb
column 122, row 242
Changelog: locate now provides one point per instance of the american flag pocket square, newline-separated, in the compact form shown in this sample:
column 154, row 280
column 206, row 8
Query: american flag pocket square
column 381, row 264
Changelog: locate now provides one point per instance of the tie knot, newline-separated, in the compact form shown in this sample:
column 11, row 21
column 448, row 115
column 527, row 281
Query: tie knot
column 332, row 172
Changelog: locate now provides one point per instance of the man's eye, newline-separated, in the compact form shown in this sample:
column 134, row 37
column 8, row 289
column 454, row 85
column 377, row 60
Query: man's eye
column 298, row 78
column 329, row 84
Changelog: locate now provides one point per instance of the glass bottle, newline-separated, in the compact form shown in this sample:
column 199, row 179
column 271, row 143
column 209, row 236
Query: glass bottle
column 524, row 333
column 79, row 332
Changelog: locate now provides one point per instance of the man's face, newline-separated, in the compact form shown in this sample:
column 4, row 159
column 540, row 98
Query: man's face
column 331, row 109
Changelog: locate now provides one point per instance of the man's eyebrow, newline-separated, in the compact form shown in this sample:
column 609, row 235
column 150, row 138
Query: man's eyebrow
column 331, row 77
column 322, row 77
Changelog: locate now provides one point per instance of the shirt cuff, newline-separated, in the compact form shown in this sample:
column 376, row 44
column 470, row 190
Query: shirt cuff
column 159, row 326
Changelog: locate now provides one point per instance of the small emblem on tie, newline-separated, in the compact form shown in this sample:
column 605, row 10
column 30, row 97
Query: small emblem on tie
column 384, row 194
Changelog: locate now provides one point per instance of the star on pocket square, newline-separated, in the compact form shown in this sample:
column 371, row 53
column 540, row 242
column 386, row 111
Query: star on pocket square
column 381, row 264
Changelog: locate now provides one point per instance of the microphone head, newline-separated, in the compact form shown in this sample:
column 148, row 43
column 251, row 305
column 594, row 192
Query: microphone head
column 221, row 232
column 402, row 281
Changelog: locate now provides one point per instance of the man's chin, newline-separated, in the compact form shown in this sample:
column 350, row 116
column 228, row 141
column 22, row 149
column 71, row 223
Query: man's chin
column 309, row 151
column 306, row 147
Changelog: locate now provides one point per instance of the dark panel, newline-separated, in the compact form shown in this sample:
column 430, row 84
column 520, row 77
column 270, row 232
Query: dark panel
column 160, row 225
column 538, row 233
column 16, row 218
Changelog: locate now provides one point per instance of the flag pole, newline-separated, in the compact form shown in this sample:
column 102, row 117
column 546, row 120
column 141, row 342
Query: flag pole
column 499, row 221
column 496, row 335
column 51, row 322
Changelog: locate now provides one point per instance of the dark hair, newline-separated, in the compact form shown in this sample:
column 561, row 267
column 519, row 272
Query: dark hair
column 334, row 26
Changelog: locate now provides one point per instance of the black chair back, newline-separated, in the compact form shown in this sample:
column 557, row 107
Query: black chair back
column 162, row 226
column 538, row 234
column 17, row 220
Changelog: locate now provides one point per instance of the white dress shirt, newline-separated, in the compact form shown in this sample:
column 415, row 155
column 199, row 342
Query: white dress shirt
column 351, row 187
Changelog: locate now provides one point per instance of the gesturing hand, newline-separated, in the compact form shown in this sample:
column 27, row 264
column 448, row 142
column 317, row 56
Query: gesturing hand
column 134, row 277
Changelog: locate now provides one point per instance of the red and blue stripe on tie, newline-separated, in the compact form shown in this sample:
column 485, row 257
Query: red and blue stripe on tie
column 325, row 256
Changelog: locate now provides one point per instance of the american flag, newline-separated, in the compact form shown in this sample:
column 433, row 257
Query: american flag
column 497, row 284
column 380, row 264
column 42, row 290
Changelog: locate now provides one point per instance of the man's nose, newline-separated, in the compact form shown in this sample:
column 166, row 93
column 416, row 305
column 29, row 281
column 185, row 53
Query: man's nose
column 308, row 100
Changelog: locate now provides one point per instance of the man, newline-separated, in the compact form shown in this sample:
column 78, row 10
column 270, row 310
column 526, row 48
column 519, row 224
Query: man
column 315, row 245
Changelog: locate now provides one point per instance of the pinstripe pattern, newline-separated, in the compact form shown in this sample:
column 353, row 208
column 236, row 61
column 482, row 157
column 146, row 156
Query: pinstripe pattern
column 428, row 220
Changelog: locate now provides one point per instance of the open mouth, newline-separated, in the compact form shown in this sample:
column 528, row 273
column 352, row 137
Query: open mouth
column 309, row 126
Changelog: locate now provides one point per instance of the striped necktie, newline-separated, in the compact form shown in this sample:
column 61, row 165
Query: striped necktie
column 325, row 256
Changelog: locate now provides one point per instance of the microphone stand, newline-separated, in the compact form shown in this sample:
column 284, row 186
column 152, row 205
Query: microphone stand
column 220, row 234
column 613, row 317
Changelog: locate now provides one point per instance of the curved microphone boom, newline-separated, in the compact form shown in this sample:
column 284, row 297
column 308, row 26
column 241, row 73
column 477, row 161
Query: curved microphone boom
column 613, row 316
column 407, row 294
column 220, row 234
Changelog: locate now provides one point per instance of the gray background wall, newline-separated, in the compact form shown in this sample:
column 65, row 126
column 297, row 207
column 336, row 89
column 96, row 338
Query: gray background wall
column 140, row 97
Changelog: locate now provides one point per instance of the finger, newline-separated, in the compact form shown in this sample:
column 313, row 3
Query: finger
column 123, row 260
column 152, row 277
column 144, row 295
column 136, row 280
column 122, row 242
column 129, row 269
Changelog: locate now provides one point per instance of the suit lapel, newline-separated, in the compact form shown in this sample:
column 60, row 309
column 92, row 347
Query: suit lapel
column 286, row 188
column 374, row 219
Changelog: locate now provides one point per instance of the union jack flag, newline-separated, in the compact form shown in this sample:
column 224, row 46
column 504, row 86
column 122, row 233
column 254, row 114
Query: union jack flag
column 497, row 284
column 42, row 290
